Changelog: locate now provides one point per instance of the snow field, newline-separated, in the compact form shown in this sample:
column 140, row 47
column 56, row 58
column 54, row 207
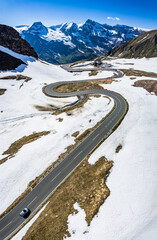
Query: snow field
column 130, row 212
column 20, row 118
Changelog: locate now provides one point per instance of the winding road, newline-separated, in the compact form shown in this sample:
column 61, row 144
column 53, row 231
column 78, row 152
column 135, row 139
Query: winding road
column 12, row 222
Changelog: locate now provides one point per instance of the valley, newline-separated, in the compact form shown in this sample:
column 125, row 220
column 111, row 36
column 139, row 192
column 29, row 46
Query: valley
column 78, row 140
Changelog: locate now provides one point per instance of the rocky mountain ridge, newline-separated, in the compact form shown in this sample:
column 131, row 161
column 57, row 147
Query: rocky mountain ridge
column 10, row 39
column 145, row 45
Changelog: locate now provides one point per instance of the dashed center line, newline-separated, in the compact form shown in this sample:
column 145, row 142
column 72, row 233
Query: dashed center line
column 32, row 201
column 95, row 137
column 5, row 226
column 77, row 154
column 55, row 177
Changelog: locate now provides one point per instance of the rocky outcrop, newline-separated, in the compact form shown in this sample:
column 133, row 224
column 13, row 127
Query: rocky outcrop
column 8, row 62
column 145, row 45
column 149, row 85
column 11, row 39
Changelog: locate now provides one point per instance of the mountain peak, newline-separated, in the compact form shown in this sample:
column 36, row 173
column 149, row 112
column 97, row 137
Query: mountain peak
column 37, row 28
column 37, row 24
column 90, row 21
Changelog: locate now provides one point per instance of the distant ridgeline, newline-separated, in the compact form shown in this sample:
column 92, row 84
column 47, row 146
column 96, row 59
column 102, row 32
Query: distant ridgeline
column 71, row 42
column 144, row 45
column 10, row 39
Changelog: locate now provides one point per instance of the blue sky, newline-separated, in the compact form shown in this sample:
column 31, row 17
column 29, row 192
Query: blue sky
column 50, row 12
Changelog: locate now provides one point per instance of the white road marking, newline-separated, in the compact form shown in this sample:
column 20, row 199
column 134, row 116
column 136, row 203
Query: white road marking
column 68, row 164
column 5, row 226
column 55, row 177
column 77, row 154
column 32, row 201
column 95, row 137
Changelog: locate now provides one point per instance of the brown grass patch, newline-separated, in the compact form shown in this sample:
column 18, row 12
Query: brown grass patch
column 2, row 91
column 60, row 119
column 93, row 73
column 138, row 73
column 75, row 134
column 118, row 148
column 17, row 77
column 86, row 186
column 77, row 62
column 79, row 86
column 17, row 145
column 149, row 85
column 105, row 81
column 97, row 95
column 72, row 107
column 47, row 108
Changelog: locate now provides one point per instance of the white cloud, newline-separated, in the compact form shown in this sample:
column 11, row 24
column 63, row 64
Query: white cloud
column 113, row 18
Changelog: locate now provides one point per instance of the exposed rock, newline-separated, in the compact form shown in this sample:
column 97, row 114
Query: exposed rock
column 149, row 85
column 11, row 39
column 8, row 62
column 145, row 45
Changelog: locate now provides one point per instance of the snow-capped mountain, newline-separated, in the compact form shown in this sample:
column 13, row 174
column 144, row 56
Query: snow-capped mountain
column 70, row 42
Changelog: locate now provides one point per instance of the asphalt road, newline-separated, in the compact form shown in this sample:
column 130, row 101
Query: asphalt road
column 11, row 222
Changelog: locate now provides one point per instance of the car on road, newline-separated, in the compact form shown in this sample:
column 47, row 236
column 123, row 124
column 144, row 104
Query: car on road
column 25, row 213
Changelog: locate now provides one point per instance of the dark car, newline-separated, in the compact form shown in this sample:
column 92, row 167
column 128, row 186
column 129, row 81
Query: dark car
column 25, row 213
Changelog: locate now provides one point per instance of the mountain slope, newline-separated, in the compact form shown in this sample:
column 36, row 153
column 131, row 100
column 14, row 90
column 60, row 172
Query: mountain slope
column 71, row 42
column 10, row 38
column 11, row 48
column 8, row 62
column 145, row 45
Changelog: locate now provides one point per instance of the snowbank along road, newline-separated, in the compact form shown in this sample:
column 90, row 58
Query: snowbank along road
column 12, row 221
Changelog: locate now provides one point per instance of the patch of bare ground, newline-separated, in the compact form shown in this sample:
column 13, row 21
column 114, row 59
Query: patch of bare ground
column 75, row 134
column 149, row 85
column 72, row 107
column 60, row 119
column 118, row 148
column 81, row 86
column 108, row 99
column 97, row 95
column 47, row 108
column 105, row 58
column 138, row 73
column 86, row 186
column 2, row 91
column 17, row 145
column 77, row 62
column 132, row 78
column 93, row 73
column 17, row 77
